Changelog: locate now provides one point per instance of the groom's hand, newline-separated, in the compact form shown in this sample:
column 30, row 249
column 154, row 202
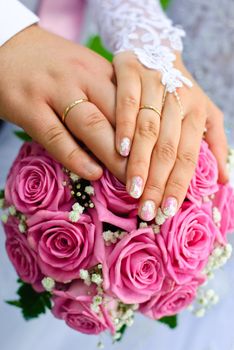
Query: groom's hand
column 41, row 74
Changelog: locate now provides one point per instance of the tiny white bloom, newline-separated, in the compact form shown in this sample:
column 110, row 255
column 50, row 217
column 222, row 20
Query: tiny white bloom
column 97, row 299
column 95, row 278
column 74, row 216
column 156, row 229
column 48, row 283
column 84, row 274
column 143, row 224
column 95, row 308
column 200, row 312
column 74, row 176
column 100, row 345
column 89, row 190
column 107, row 235
column 22, row 227
column 99, row 266
column 117, row 336
column 12, row 210
column 78, row 208
column 4, row 218
column 216, row 215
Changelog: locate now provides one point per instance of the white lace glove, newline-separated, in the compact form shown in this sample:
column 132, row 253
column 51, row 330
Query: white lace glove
column 142, row 27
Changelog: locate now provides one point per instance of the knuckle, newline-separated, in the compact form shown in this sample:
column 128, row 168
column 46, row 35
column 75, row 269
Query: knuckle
column 95, row 120
column 177, row 186
column 166, row 151
column 126, row 124
column 73, row 155
column 155, row 190
column 54, row 134
column 129, row 101
column 140, row 165
column 188, row 159
column 148, row 129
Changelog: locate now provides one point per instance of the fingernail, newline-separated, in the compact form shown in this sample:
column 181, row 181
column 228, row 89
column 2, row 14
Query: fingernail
column 160, row 217
column 136, row 187
column 91, row 168
column 148, row 210
column 170, row 206
column 125, row 147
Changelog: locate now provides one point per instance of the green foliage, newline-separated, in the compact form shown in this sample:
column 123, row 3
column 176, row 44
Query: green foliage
column 2, row 194
column 165, row 4
column 171, row 321
column 122, row 331
column 31, row 303
column 95, row 44
column 22, row 135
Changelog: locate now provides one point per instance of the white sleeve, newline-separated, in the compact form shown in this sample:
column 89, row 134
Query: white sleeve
column 143, row 28
column 14, row 17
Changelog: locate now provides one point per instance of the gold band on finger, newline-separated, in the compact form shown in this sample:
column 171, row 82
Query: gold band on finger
column 72, row 105
column 152, row 108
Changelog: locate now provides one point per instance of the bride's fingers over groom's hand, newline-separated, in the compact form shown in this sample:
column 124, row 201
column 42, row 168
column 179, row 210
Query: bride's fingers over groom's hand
column 41, row 74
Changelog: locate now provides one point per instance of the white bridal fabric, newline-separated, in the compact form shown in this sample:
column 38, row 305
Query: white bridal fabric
column 210, row 55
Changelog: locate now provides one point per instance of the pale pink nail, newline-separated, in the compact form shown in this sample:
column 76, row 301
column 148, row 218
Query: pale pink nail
column 170, row 206
column 148, row 210
column 136, row 187
column 125, row 147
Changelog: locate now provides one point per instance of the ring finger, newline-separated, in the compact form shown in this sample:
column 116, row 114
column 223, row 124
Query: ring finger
column 146, row 134
column 163, row 159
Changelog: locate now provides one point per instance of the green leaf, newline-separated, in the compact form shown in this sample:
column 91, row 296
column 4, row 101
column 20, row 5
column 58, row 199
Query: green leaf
column 122, row 331
column 2, row 194
column 165, row 4
column 22, row 135
column 32, row 303
column 16, row 303
column 95, row 44
column 171, row 321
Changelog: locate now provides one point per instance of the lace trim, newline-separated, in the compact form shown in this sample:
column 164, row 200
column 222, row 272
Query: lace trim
column 142, row 27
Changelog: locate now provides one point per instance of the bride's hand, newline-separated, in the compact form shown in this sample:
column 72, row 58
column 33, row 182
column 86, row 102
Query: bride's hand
column 41, row 74
column 163, row 152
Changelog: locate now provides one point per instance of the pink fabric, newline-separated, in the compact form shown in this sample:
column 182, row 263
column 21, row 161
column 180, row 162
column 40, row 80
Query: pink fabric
column 62, row 17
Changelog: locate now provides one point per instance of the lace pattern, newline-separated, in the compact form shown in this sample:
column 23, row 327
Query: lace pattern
column 143, row 28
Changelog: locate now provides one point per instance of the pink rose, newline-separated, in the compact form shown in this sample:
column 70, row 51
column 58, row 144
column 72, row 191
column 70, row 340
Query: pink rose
column 172, row 302
column 224, row 201
column 134, row 269
column 113, row 203
column 74, row 306
column 204, row 182
column 21, row 255
column 189, row 238
column 35, row 182
column 63, row 247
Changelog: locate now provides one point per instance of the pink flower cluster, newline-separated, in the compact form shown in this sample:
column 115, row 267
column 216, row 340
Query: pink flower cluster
column 158, row 271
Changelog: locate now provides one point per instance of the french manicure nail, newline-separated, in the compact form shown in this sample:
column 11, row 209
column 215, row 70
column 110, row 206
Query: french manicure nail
column 169, row 208
column 125, row 147
column 160, row 217
column 148, row 210
column 136, row 187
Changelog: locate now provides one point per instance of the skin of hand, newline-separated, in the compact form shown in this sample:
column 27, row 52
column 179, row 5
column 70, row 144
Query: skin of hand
column 163, row 152
column 41, row 74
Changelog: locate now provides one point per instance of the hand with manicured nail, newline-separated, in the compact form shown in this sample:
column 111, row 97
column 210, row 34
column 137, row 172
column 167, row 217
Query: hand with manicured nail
column 163, row 152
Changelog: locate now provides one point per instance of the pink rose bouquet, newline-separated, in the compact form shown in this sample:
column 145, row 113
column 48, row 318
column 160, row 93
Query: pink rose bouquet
column 80, row 249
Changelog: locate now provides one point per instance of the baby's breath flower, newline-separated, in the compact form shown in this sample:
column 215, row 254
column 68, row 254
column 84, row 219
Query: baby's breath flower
column 22, row 227
column 74, row 216
column 96, row 278
column 143, row 224
column 89, row 190
column 74, row 176
column 12, row 210
column 78, row 208
column 4, row 218
column 48, row 283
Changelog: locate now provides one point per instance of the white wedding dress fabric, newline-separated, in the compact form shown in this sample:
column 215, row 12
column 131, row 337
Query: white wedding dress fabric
column 209, row 54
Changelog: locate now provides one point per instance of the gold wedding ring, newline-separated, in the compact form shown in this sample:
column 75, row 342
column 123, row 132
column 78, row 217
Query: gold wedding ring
column 152, row 108
column 72, row 105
